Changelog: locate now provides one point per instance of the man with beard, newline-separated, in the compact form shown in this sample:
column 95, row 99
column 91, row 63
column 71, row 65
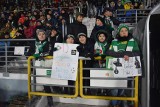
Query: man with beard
column 123, row 46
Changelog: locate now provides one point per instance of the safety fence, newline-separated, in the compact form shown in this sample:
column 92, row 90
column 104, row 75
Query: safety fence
column 91, row 83
column 11, row 58
column 131, row 15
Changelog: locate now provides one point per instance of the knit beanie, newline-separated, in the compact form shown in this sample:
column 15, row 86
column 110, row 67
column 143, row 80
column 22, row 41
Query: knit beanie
column 122, row 26
column 40, row 30
column 81, row 34
column 101, row 19
column 70, row 36
column 102, row 32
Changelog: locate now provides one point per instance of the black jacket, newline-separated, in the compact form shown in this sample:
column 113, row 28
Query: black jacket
column 52, row 40
column 86, row 50
column 76, row 28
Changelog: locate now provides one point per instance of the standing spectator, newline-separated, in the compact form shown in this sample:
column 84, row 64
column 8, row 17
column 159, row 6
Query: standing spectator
column 50, row 20
column 123, row 46
column 110, row 21
column 99, row 5
column 100, row 48
column 77, row 27
column 103, row 40
column 86, row 49
column 3, row 20
column 119, row 5
column 39, row 50
column 112, row 5
column 100, row 25
column 55, row 37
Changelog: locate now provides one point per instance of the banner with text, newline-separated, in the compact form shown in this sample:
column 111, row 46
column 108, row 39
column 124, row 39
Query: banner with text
column 122, row 68
column 65, row 62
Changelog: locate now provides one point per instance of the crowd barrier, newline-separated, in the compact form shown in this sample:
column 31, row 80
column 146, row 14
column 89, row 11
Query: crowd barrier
column 9, row 62
column 131, row 15
column 35, row 73
column 37, row 81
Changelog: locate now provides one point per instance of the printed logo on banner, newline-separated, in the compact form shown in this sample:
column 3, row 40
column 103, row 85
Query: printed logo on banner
column 65, row 62
column 122, row 68
column 73, row 52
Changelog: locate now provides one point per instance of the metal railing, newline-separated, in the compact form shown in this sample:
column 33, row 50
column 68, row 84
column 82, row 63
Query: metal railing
column 131, row 15
column 134, row 88
column 8, row 60
column 79, row 84
column 33, row 84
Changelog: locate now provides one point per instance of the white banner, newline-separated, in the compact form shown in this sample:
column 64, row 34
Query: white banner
column 65, row 62
column 105, row 83
column 122, row 68
column 19, row 50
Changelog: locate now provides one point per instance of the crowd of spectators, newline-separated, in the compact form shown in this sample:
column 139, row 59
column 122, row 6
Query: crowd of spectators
column 43, row 21
column 21, row 19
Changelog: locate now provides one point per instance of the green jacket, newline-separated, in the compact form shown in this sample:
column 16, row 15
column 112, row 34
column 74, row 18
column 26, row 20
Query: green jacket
column 121, row 48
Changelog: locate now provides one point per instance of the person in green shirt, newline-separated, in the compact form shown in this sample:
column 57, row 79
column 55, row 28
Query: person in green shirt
column 123, row 46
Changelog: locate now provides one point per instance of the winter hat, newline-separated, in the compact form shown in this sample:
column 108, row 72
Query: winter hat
column 70, row 36
column 102, row 32
column 40, row 30
column 81, row 34
column 101, row 19
column 79, row 14
column 107, row 9
column 54, row 28
column 122, row 26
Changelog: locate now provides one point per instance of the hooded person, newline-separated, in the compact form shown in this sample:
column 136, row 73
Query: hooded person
column 103, row 40
column 101, row 46
column 100, row 25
